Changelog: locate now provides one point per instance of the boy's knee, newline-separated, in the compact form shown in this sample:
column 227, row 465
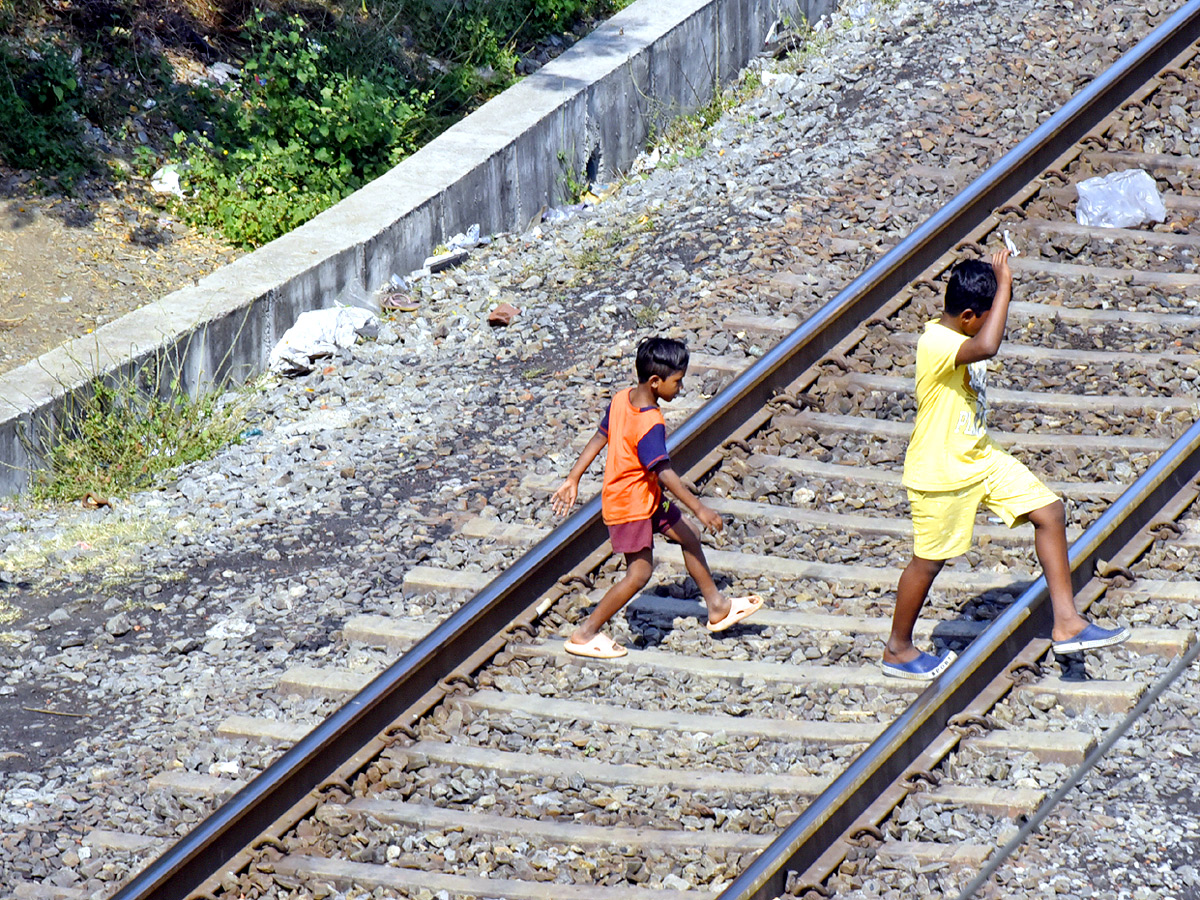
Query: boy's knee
column 639, row 572
column 1051, row 515
column 927, row 567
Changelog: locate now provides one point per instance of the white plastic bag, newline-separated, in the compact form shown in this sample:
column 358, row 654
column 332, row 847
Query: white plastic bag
column 1119, row 200
column 320, row 332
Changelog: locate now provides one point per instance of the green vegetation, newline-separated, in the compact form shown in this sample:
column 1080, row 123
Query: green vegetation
column 311, row 127
column 684, row 136
column 120, row 437
column 41, row 107
column 326, row 97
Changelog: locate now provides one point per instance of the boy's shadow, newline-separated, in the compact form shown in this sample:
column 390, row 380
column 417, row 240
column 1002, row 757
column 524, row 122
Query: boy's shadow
column 654, row 613
column 978, row 612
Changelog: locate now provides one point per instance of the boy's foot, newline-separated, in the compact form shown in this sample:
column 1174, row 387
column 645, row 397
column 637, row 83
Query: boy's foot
column 739, row 608
column 599, row 647
column 1093, row 637
column 925, row 667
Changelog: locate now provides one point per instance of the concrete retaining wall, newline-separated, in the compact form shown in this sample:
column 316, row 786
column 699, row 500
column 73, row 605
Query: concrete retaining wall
column 589, row 111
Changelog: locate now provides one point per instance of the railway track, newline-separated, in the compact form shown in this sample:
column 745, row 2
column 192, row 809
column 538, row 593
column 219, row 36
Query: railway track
column 777, row 758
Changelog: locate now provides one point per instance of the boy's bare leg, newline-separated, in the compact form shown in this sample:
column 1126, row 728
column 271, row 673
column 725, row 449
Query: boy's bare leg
column 638, row 567
column 697, row 566
column 914, row 586
column 1050, row 542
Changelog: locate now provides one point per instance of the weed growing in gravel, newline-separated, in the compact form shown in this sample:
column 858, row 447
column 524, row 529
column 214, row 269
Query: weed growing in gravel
column 573, row 184
column 121, row 436
column 685, row 135
column 645, row 316
column 589, row 258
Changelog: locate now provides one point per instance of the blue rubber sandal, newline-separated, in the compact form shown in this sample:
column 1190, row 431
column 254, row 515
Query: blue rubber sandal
column 1093, row 637
column 925, row 667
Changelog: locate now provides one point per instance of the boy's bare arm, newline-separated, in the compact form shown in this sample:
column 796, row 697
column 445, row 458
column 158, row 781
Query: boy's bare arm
column 564, row 498
column 986, row 342
column 670, row 479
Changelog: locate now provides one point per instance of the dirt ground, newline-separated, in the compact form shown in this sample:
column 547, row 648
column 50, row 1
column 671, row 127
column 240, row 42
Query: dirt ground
column 70, row 264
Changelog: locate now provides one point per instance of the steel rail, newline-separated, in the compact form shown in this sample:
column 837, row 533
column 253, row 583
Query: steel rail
column 211, row 845
column 1034, row 822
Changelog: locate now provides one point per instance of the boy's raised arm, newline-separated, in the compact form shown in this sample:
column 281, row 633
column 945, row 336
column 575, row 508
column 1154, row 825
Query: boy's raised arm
column 670, row 479
column 986, row 342
column 564, row 498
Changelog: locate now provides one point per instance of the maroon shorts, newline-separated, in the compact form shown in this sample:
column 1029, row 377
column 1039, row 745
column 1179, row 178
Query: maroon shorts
column 631, row 537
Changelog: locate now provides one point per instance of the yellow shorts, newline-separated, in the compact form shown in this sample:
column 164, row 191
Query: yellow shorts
column 943, row 521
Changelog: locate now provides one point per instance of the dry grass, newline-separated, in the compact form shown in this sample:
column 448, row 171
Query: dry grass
column 107, row 548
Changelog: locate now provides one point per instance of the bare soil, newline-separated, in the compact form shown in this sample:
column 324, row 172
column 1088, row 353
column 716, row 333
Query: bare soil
column 68, row 264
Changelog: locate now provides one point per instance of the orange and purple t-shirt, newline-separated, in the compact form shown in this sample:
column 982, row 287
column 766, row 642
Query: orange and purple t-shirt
column 637, row 448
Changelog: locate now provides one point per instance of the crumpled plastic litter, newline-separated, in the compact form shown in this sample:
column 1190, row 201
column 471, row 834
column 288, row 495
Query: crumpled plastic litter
column 166, row 181
column 230, row 628
column 319, row 333
column 467, row 240
column 1119, row 200
column 555, row 215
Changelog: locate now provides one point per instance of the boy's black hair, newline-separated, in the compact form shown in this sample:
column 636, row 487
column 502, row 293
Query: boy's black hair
column 972, row 286
column 662, row 357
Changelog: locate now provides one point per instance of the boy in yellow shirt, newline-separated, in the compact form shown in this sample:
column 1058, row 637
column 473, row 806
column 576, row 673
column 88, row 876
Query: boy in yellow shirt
column 952, row 465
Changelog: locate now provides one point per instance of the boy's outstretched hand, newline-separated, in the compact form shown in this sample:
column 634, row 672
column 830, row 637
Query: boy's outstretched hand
column 709, row 519
column 564, row 498
column 1001, row 269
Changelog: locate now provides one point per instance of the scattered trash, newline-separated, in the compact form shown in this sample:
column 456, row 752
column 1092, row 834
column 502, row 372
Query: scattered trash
column 95, row 501
column 251, row 432
column 230, row 628
column 166, row 180
column 398, row 301
column 395, row 296
column 597, row 193
column 502, row 315
column 1010, row 244
column 647, row 162
column 222, row 72
column 446, row 260
column 467, row 240
column 1119, row 200
column 780, row 41
column 552, row 215
column 319, row 333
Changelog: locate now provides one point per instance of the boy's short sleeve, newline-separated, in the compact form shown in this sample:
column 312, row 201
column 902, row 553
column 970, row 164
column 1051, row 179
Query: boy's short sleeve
column 604, row 422
column 940, row 352
column 652, row 448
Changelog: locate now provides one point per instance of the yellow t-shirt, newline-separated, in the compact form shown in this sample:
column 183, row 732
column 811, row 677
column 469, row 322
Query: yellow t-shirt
column 950, row 447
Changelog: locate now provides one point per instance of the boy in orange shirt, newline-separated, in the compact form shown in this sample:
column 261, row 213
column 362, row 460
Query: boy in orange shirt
column 632, row 504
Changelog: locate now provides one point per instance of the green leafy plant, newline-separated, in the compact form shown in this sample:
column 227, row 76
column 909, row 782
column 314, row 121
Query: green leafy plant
column 122, row 435
column 645, row 316
column 40, row 123
column 573, row 183
column 304, row 133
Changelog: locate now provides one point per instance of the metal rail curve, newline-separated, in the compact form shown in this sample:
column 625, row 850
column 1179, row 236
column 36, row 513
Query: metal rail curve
column 190, row 862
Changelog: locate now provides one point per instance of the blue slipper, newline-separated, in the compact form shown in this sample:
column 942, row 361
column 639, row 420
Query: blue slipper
column 925, row 667
column 1092, row 637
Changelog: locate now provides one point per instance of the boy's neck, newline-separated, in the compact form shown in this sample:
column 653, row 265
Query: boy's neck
column 642, row 395
column 954, row 323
